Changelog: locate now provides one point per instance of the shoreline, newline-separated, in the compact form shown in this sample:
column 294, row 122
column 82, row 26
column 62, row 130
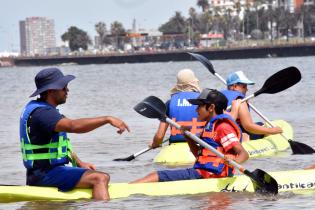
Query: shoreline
column 167, row 56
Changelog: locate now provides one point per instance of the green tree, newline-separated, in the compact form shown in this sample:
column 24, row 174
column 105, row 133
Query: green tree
column 249, row 21
column 205, row 23
column 308, row 19
column 204, row 4
column 118, row 32
column 278, row 19
column 77, row 38
column 176, row 24
column 285, row 21
column 102, row 32
column 193, row 25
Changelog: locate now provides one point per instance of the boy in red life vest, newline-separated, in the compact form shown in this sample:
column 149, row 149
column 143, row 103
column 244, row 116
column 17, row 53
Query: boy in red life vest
column 221, row 132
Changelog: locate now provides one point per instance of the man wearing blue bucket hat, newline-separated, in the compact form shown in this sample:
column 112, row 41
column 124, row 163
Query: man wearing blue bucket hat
column 236, row 89
column 44, row 143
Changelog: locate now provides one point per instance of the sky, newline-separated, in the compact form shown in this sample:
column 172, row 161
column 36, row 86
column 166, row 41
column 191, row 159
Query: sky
column 84, row 14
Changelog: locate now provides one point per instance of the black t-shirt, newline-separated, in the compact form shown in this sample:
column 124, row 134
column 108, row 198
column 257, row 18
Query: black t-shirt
column 42, row 123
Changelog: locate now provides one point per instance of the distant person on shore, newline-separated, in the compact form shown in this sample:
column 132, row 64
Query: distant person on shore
column 221, row 131
column 45, row 145
column 236, row 89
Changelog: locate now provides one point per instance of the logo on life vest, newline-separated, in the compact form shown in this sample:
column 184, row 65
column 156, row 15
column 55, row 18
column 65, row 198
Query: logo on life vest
column 183, row 102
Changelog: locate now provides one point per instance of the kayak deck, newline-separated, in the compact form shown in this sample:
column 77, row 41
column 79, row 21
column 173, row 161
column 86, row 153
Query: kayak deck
column 288, row 181
column 179, row 153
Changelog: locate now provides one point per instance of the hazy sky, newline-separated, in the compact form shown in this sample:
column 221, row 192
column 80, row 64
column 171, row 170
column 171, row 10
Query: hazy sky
column 84, row 14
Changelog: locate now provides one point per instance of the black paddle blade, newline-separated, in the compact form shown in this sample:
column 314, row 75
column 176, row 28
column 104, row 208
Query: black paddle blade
column 152, row 107
column 263, row 182
column 300, row 148
column 204, row 61
column 131, row 157
column 280, row 81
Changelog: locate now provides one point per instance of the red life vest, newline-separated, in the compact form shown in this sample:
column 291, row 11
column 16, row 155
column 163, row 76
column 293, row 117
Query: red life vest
column 208, row 164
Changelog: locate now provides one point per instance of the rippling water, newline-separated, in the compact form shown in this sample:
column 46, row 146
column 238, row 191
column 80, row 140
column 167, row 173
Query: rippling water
column 115, row 89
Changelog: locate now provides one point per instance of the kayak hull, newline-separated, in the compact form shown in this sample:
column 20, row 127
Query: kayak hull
column 288, row 181
column 179, row 153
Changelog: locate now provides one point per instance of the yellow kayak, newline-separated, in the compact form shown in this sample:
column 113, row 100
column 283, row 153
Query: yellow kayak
column 300, row 181
column 179, row 153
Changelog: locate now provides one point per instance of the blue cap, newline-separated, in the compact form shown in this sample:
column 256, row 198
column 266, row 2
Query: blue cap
column 238, row 77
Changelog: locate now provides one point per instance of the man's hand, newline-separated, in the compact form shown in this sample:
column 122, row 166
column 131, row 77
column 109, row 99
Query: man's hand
column 121, row 125
column 87, row 165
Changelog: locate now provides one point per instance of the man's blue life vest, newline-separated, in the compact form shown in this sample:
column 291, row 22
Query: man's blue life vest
column 59, row 148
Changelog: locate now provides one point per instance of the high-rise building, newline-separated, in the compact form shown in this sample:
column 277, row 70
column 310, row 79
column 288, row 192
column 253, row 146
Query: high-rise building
column 37, row 36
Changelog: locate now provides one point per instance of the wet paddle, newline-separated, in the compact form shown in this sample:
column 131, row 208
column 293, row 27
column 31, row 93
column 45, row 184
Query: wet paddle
column 291, row 76
column 153, row 107
column 133, row 156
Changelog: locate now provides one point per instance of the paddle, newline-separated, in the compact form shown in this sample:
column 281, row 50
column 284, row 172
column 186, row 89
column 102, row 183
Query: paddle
column 133, row 156
column 291, row 76
column 153, row 107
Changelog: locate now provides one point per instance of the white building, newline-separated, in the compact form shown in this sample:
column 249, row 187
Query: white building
column 37, row 34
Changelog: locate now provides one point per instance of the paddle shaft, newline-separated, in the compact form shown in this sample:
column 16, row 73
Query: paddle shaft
column 133, row 156
column 146, row 149
column 141, row 152
column 204, row 144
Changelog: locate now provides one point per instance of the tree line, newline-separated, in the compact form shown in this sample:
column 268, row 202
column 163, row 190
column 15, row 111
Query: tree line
column 258, row 22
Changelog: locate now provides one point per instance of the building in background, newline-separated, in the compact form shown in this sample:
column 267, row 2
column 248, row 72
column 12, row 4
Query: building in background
column 37, row 36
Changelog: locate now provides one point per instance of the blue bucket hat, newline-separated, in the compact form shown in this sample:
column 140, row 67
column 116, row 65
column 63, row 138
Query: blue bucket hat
column 238, row 77
column 51, row 79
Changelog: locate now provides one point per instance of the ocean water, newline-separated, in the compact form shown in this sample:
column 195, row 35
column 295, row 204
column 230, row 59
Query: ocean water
column 116, row 89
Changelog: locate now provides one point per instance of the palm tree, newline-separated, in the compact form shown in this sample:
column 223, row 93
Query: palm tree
column 204, row 4
column 101, row 30
column 176, row 24
column 117, row 29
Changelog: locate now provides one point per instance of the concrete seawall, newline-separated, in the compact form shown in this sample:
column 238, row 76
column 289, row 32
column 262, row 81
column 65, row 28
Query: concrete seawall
column 228, row 53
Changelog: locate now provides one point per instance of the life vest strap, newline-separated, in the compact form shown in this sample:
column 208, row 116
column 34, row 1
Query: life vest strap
column 45, row 146
column 196, row 126
column 28, row 154
column 41, row 156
